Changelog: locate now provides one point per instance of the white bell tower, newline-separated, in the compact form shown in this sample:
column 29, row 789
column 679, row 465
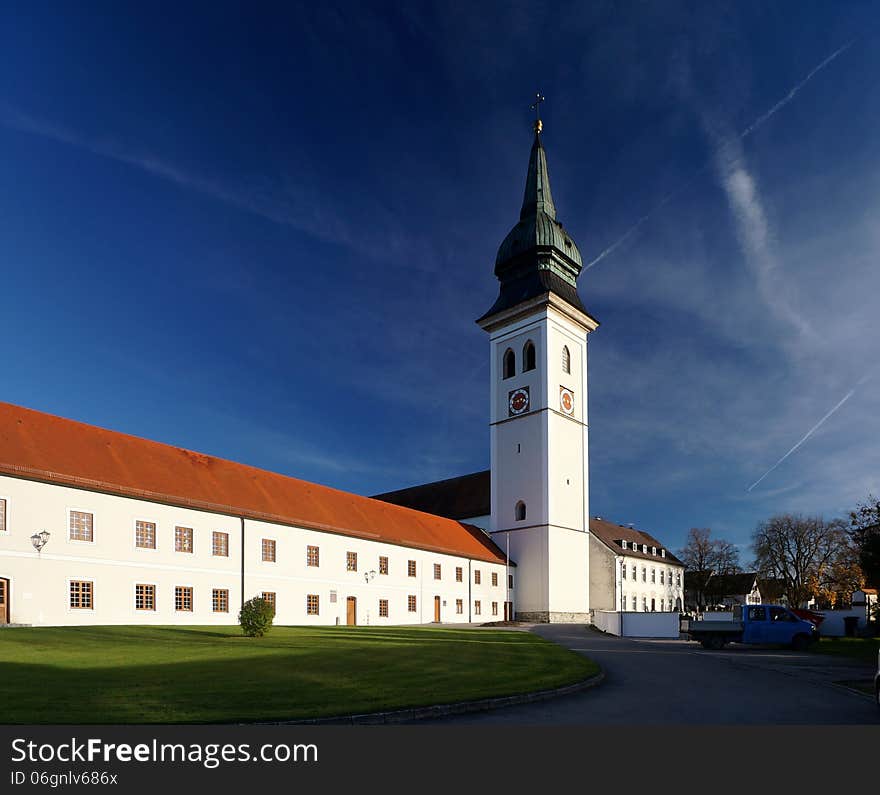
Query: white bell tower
column 538, row 331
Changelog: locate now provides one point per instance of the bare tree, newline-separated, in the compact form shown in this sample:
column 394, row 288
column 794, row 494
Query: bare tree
column 802, row 551
column 705, row 557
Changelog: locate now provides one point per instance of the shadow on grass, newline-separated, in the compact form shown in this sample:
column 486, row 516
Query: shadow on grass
column 296, row 674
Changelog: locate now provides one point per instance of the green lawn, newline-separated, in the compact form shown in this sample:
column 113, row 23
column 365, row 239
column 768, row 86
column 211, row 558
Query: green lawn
column 859, row 648
column 214, row 674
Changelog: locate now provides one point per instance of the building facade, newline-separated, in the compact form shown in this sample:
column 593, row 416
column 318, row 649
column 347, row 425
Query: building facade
column 631, row 571
column 142, row 533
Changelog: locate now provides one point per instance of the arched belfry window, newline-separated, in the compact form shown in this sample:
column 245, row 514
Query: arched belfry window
column 520, row 511
column 509, row 367
column 566, row 360
column 528, row 356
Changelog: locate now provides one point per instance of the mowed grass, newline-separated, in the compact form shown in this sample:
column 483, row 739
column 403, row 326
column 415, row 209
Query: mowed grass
column 214, row 674
column 858, row 648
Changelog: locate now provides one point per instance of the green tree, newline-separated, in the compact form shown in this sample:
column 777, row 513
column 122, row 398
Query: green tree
column 865, row 529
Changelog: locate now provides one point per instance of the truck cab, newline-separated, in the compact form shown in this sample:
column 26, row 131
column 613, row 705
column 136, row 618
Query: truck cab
column 775, row 624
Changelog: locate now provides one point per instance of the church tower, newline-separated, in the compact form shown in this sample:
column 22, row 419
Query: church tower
column 538, row 331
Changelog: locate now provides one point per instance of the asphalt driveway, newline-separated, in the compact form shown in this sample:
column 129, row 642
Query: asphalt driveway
column 677, row 682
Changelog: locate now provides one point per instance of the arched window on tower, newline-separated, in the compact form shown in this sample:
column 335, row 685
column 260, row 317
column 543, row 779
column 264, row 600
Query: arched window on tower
column 566, row 360
column 520, row 511
column 528, row 356
column 509, row 364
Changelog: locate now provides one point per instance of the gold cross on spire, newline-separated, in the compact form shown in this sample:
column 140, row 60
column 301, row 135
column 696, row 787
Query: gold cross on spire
column 537, row 108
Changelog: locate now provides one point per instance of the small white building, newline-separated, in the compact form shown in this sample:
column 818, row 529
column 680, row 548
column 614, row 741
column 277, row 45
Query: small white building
column 631, row 571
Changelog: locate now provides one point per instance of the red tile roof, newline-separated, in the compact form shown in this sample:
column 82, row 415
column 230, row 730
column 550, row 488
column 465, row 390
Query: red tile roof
column 42, row 447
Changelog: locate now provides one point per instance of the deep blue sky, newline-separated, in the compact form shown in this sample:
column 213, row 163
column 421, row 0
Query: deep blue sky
column 265, row 234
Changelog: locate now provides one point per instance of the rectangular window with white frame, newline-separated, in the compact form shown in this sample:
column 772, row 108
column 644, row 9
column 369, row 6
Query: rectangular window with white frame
column 220, row 544
column 183, row 539
column 268, row 547
column 144, row 534
column 144, row 597
column 220, row 600
column 4, row 507
column 81, row 526
column 183, row 598
column 82, row 595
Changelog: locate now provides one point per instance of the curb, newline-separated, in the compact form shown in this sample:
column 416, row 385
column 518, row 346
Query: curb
column 442, row 710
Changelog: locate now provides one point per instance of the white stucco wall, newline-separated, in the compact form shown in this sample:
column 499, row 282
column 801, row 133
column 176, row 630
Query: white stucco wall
column 39, row 582
column 647, row 585
column 540, row 459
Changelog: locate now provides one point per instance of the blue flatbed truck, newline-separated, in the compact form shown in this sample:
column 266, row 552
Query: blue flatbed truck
column 755, row 624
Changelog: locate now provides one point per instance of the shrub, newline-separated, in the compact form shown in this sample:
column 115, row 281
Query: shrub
column 256, row 617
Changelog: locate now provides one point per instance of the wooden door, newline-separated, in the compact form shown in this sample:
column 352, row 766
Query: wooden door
column 437, row 609
column 508, row 611
column 351, row 611
column 4, row 601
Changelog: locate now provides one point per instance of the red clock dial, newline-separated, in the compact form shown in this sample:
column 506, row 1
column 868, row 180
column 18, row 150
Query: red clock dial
column 518, row 401
column 566, row 400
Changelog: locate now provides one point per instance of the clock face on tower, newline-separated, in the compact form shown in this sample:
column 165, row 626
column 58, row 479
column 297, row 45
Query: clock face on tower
column 518, row 401
column 566, row 400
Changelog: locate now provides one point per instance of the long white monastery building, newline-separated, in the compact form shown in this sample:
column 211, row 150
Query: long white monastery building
column 98, row 527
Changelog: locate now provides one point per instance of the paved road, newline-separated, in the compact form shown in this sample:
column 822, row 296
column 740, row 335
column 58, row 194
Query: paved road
column 677, row 682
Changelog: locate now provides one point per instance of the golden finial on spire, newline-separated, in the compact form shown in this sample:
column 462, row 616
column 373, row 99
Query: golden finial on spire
column 539, row 125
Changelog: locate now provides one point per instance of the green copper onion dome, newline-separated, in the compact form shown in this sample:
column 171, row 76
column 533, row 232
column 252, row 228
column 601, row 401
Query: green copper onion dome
column 538, row 255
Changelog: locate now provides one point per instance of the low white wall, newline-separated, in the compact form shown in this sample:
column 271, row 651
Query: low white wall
column 607, row 621
column 833, row 626
column 638, row 625
column 650, row 625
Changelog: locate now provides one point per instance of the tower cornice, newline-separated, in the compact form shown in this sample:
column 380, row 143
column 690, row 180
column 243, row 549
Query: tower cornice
column 525, row 309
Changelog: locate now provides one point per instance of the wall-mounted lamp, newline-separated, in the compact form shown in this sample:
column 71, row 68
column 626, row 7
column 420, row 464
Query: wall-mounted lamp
column 39, row 540
column 368, row 575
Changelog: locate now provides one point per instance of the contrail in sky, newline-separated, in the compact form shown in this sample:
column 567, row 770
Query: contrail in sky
column 810, row 432
column 744, row 134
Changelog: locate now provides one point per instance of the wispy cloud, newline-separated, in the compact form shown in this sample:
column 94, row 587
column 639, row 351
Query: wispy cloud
column 295, row 205
column 806, row 436
column 751, row 128
column 754, row 234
